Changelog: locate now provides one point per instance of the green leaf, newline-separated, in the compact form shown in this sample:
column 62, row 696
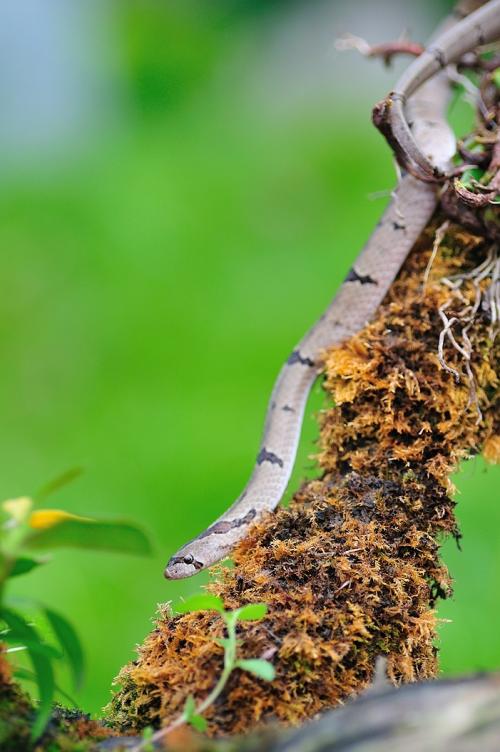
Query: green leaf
column 192, row 717
column 468, row 176
column 41, row 664
column 198, row 723
column 18, row 625
column 101, row 535
column 20, row 631
column 496, row 77
column 46, row 687
column 200, row 602
column 24, row 564
column 70, row 643
column 224, row 642
column 251, row 612
column 27, row 675
column 58, row 482
column 258, row 667
column 189, row 707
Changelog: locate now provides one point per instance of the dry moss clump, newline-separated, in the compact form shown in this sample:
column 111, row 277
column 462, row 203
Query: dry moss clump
column 351, row 569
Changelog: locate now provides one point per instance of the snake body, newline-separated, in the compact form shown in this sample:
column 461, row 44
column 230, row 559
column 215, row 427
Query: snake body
column 356, row 302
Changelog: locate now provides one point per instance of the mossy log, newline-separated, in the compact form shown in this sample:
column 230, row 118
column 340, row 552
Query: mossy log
column 351, row 570
column 459, row 715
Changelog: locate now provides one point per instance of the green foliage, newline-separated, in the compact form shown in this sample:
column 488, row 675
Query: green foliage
column 24, row 528
column 192, row 716
column 69, row 642
column 258, row 667
column 115, row 535
column 251, row 612
column 471, row 176
column 24, row 564
column 40, row 654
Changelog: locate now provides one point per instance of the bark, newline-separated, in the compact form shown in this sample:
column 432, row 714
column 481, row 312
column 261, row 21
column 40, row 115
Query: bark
column 462, row 715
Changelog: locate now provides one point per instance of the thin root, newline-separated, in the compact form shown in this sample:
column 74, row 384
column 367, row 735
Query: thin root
column 485, row 279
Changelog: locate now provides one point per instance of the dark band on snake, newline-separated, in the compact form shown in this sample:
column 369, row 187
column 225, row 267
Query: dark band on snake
column 363, row 279
column 220, row 528
column 296, row 357
column 265, row 456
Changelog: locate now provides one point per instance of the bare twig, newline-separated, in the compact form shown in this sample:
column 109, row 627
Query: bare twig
column 386, row 50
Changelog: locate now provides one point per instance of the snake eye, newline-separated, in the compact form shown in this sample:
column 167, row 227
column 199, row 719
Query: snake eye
column 188, row 559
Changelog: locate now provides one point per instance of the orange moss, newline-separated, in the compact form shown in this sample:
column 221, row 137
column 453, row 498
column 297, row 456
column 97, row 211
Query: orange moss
column 351, row 569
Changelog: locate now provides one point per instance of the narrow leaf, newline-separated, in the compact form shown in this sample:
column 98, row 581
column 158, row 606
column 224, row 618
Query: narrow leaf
column 58, row 482
column 41, row 664
column 260, row 668
column 27, row 675
column 24, row 564
column 70, row 643
column 18, row 625
column 19, row 631
column 200, row 602
column 33, row 644
column 124, row 537
column 251, row 612
column 46, row 687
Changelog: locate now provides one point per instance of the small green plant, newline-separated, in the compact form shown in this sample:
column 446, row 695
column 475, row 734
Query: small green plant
column 193, row 713
column 25, row 533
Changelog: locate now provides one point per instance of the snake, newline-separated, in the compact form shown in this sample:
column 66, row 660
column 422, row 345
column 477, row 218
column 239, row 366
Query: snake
column 426, row 95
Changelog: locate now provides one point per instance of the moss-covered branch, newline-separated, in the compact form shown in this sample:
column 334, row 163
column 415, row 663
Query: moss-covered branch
column 351, row 570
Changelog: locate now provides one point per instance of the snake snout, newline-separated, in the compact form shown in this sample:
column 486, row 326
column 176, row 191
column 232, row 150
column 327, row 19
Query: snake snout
column 180, row 567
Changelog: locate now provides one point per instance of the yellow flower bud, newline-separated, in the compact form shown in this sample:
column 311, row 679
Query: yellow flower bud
column 41, row 519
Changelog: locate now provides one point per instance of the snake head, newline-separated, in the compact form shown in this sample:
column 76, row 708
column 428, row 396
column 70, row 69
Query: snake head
column 180, row 567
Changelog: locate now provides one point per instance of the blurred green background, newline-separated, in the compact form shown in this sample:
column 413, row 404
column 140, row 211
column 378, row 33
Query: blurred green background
column 184, row 186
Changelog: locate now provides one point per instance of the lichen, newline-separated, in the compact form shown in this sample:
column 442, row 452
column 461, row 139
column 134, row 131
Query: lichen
column 351, row 570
